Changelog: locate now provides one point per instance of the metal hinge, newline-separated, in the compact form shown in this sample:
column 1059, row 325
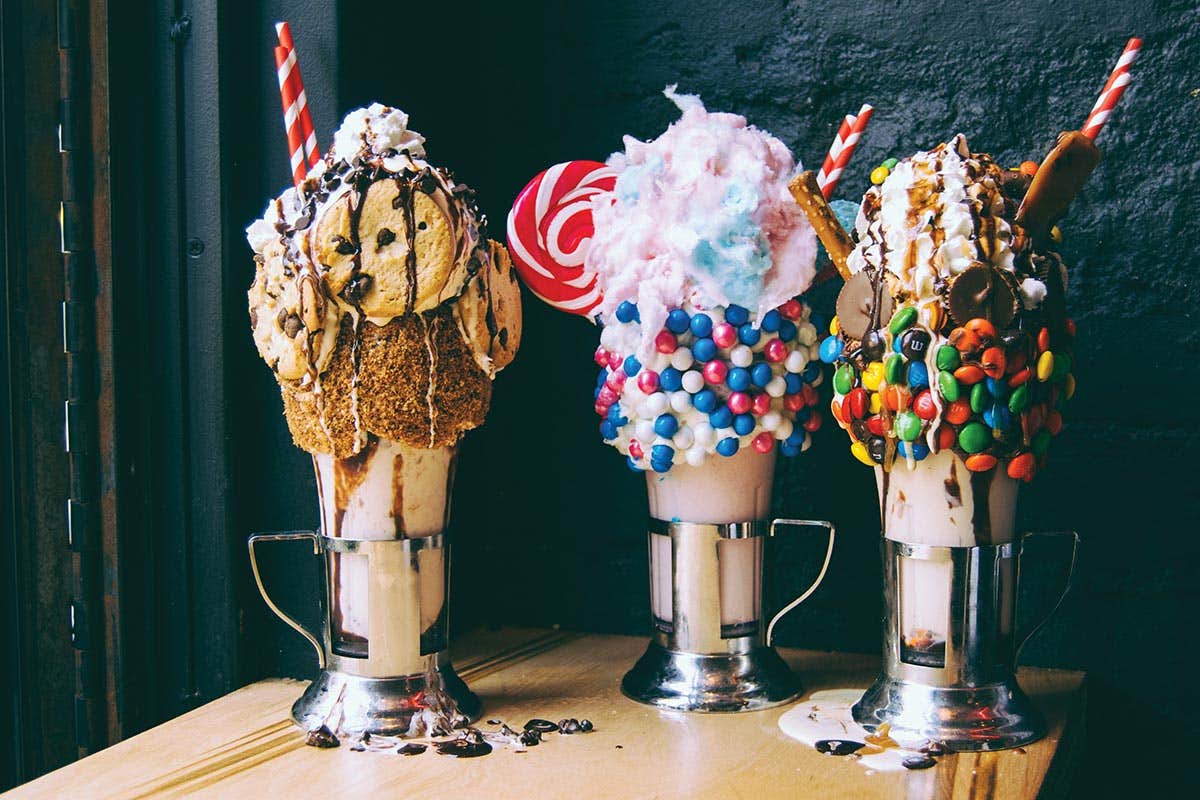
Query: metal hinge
column 181, row 29
column 85, row 611
column 79, row 620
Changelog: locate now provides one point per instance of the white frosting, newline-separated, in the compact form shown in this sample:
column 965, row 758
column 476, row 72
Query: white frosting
column 1033, row 292
column 925, row 226
column 261, row 232
column 379, row 128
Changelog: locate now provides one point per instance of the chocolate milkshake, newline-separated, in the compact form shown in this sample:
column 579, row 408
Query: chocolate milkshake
column 384, row 312
column 952, row 351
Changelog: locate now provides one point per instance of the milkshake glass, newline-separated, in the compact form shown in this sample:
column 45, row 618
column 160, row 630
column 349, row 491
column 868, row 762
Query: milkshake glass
column 690, row 253
column 952, row 354
column 385, row 313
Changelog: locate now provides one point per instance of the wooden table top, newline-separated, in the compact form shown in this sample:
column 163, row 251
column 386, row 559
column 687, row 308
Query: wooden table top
column 244, row 745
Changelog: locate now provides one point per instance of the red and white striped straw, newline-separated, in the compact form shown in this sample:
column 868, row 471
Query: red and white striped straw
column 1112, row 91
column 849, row 132
column 291, row 122
column 284, row 31
column 297, row 120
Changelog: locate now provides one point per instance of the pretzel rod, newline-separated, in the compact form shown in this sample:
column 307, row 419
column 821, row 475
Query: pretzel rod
column 1058, row 179
column 808, row 196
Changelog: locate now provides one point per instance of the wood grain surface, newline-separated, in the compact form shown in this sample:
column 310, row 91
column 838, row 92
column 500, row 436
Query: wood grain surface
column 244, row 745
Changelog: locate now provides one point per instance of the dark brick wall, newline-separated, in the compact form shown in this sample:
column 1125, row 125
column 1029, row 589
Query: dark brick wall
column 549, row 522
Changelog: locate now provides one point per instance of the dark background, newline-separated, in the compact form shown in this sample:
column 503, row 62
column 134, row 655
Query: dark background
column 548, row 522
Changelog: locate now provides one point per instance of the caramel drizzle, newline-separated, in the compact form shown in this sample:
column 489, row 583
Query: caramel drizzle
column 431, row 392
column 398, row 495
column 360, row 434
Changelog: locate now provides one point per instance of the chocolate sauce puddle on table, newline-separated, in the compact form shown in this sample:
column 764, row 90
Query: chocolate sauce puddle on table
column 838, row 747
column 469, row 742
column 470, row 746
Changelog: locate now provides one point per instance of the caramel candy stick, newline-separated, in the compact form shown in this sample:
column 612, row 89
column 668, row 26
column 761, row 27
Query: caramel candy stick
column 1058, row 180
column 837, row 242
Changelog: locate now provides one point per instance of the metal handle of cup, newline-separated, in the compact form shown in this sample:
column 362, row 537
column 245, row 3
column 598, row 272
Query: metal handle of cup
column 1066, row 589
column 802, row 523
column 292, row 623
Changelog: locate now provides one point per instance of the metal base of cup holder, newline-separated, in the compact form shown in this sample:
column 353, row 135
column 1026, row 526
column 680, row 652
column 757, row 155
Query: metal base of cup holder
column 710, row 650
column 710, row 683
column 378, row 705
column 383, row 637
column 951, row 639
column 992, row 717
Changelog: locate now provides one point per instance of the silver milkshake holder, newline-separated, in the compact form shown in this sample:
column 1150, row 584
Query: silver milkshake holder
column 710, row 649
column 377, row 683
column 952, row 679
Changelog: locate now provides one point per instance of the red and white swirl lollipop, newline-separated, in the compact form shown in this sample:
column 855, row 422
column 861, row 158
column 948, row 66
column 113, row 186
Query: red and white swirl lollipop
column 550, row 228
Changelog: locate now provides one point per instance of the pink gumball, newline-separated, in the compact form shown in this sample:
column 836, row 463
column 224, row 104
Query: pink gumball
column 739, row 402
column 665, row 342
column 715, row 372
column 724, row 335
column 764, row 442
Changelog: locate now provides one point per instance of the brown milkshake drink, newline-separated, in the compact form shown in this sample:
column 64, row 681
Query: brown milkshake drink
column 952, row 350
column 953, row 364
column 384, row 312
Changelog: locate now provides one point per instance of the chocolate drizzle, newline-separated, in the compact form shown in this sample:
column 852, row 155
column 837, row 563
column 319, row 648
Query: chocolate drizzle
column 404, row 201
column 398, row 494
column 885, row 486
column 348, row 476
column 981, row 516
column 953, row 489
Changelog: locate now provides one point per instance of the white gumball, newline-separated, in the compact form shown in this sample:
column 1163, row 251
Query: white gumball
column 796, row 361
column 656, row 404
column 684, row 438
column 681, row 359
column 703, row 434
column 692, row 381
column 610, row 338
